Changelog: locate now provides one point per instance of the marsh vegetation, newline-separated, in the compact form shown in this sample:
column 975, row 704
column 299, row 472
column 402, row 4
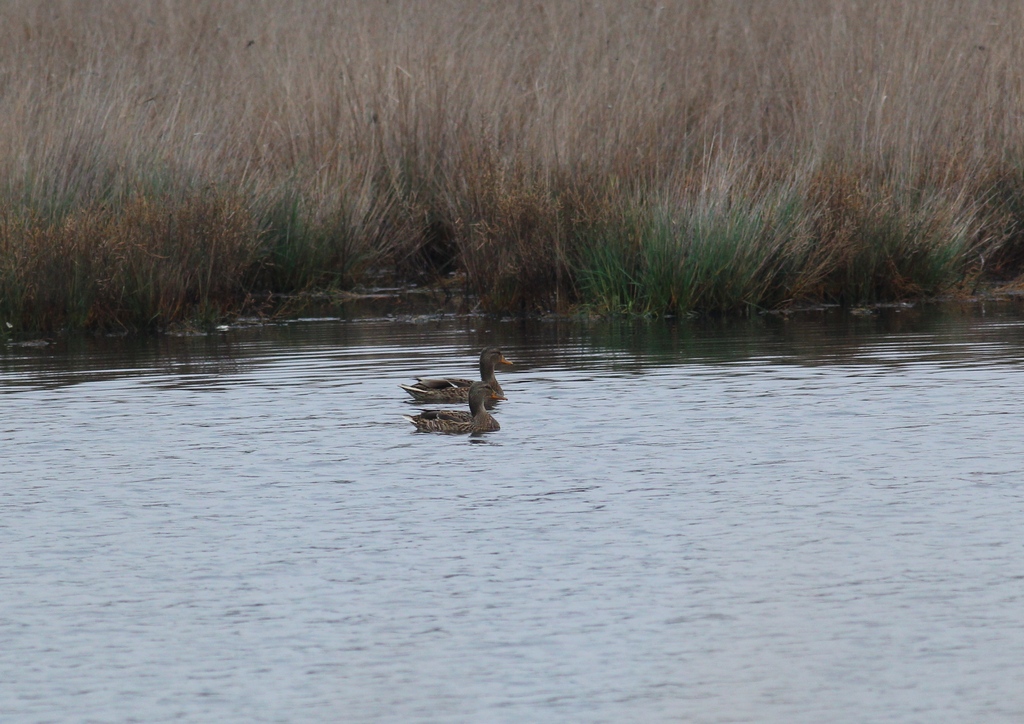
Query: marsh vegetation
column 158, row 164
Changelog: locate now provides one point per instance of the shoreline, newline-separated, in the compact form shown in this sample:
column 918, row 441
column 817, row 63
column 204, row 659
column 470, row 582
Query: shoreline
column 426, row 303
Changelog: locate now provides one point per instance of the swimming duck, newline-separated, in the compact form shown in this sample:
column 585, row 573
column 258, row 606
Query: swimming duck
column 476, row 420
column 454, row 389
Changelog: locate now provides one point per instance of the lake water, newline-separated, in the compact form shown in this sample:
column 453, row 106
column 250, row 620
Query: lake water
column 818, row 519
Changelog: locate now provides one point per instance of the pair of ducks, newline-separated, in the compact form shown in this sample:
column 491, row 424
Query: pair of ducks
column 480, row 396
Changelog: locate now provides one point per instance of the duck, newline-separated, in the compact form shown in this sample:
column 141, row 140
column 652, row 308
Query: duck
column 460, row 421
column 454, row 389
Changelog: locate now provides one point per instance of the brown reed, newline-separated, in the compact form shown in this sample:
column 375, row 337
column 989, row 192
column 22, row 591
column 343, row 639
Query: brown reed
column 677, row 156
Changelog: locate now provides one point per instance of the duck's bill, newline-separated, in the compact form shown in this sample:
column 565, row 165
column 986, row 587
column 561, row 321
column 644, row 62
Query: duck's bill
column 504, row 361
column 496, row 396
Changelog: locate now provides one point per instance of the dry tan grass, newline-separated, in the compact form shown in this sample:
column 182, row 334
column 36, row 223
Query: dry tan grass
column 143, row 265
column 490, row 135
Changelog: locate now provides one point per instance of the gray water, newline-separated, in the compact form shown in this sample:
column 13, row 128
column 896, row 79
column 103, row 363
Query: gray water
column 805, row 520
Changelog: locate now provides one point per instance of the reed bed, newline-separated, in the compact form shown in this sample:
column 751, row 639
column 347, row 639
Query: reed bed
column 168, row 161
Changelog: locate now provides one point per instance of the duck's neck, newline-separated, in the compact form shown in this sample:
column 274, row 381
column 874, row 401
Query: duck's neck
column 487, row 375
column 477, row 407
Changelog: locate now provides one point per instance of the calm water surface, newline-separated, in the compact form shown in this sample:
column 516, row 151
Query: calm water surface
column 809, row 520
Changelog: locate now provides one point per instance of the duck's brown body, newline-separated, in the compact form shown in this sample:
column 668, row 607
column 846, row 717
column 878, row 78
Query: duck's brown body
column 456, row 389
column 460, row 421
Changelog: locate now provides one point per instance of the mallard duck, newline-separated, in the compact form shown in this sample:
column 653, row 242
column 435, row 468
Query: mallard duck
column 453, row 389
column 476, row 420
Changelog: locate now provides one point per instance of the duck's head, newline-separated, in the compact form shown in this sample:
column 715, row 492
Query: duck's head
column 479, row 392
column 492, row 356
